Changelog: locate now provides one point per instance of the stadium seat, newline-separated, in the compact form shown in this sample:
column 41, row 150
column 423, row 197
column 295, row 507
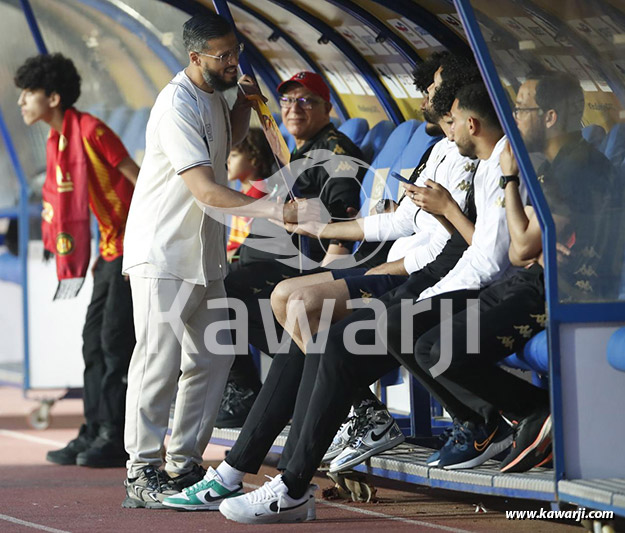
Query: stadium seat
column 99, row 110
column 613, row 145
column 535, row 355
column 616, row 349
column 118, row 119
column 10, row 268
column 355, row 129
column 290, row 141
column 411, row 156
column 374, row 182
column 375, row 138
column 133, row 135
column 594, row 134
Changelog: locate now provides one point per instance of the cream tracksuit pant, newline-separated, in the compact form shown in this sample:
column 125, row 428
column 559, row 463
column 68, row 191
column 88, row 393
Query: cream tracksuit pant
column 181, row 343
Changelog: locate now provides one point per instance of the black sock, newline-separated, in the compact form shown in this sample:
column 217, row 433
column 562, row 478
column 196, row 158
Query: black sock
column 297, row 487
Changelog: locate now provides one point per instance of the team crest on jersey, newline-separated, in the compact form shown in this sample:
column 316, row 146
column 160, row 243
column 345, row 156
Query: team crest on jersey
column 64, row 244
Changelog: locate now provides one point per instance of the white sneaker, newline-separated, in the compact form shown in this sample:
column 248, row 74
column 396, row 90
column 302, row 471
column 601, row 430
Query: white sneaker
column 378, row 433
column 270, row 504
column 205, row 495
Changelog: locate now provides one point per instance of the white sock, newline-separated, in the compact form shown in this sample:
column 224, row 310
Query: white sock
column 230, row 475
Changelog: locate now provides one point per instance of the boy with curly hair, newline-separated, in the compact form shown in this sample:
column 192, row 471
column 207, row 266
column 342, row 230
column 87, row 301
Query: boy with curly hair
column 88, row 169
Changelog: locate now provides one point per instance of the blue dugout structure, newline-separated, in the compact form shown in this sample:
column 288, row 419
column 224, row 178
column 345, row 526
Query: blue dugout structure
column 586, row 396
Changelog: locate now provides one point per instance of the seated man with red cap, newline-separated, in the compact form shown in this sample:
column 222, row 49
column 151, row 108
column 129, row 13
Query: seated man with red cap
column 263, row 262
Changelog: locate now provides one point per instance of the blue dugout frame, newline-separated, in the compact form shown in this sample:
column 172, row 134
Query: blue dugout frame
column 352, row 55
column 337, row 103
column 557, row 313
column 384, row 32
column 23, row 230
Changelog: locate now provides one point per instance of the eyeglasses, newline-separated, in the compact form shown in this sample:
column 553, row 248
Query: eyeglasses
column 518, row 110
column 226, row 56
column 304, row 103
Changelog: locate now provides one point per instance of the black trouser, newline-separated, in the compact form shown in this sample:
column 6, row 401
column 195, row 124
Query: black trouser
column 275, row 403
column 283, row 386
column 108, row 342
column 511, row 312
column 337, row 371
column 251, row 284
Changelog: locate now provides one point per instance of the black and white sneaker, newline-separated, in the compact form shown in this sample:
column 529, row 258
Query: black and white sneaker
column 270, row 504
column 148, row 490
column 376, row 432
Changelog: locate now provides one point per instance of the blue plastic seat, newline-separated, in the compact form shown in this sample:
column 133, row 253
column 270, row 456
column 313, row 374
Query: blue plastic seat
column 616, row 350
column 594, row 134
column 535, row 355
column 613, row 145
column 118, row 119
column 133, row 135
column 355, row 129
column 290, row 141
column 411, row 156
column 375, row 138
column 374, row 183
column 10, row 268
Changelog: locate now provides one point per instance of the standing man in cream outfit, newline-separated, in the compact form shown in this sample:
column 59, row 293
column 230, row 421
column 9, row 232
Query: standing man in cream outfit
column 176, row 260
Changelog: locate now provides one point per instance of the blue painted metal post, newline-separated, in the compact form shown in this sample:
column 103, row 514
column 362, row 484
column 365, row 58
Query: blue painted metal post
column 380, row 91
column 221, row 6
column 500, row 101
column 34, row 27
column 23, row 225
column 337, row 104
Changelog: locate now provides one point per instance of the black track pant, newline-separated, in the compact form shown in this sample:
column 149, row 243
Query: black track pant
column 108, row 342
column 511, row 312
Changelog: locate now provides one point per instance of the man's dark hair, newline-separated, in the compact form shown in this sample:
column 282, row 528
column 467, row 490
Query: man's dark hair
column 256, row 147
column 203, row 27
column 53, row 73
column 457, row 72
column 423, row 74
column 562, row 92
column 475, row 98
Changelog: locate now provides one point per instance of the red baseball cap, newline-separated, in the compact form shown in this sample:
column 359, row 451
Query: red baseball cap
column 313, row 82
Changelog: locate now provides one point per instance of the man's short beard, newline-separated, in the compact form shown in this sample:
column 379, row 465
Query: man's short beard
column 216, row 81
column 430, row 116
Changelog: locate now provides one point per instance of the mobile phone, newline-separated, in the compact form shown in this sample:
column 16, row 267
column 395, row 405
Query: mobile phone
column 399, row 177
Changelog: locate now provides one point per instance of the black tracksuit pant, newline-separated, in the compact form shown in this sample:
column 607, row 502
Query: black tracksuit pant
column 108, row 342
column 281, row 394
column 511, row 312
column 473, row 384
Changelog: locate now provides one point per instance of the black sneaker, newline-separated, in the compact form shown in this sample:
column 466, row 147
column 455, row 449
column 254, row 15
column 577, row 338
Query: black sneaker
column 532, row 443
column 67, row 455
column 103, row 453
column 182, row 481
column 148, row 490
column 235, row 406
column 474, row 444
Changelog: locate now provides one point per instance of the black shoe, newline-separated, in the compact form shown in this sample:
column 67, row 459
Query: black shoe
column 532, row 443
column 181, row 482
column 148, row 490
column 235, row 406
column 103, row 453
column 67, row 455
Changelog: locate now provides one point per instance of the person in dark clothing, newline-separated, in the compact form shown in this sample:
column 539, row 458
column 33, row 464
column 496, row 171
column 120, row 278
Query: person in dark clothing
column 548, row 112
column 355, row 354
column 306, row 110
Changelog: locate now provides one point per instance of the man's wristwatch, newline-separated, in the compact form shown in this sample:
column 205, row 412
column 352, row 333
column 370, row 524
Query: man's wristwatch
column 504, row 180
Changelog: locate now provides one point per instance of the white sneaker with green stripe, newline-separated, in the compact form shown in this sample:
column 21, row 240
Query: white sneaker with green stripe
column 205, row 495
